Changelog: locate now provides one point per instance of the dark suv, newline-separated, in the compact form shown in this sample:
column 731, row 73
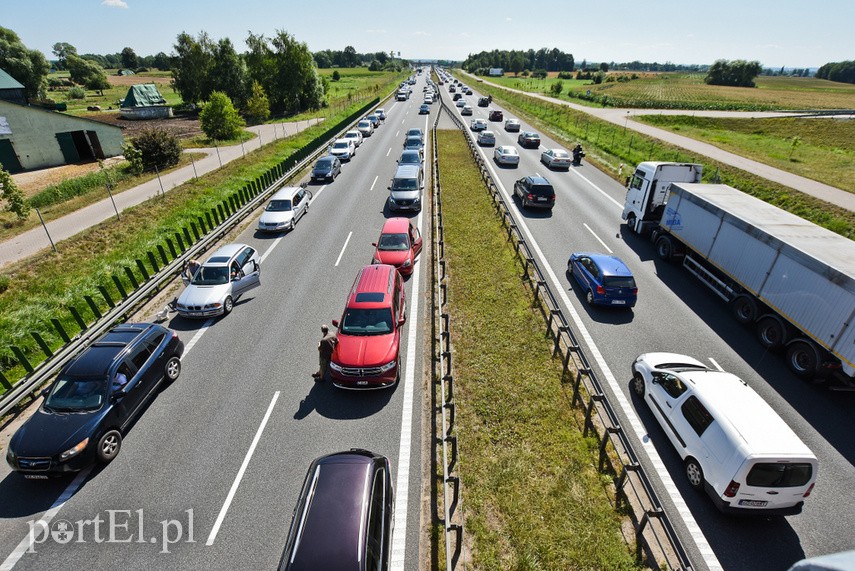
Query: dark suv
column 535, row 191
column 496, row 115
column 343, row 519
column 94, row 399
column 483, row 102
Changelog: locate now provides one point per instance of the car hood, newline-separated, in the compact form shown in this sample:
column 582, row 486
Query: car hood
column 365, row 350
column 50, row 433
column 339, row 152
column 325, row 169
column 276, row 217
column 392, row 257
column 405, row 194
column 202, row 295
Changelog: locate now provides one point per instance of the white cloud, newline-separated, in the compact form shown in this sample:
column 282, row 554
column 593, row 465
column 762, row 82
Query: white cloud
column 421, row 33
column 115, row 3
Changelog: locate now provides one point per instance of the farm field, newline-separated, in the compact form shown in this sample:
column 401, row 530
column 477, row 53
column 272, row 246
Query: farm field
column 688, row 91
column 821, row 149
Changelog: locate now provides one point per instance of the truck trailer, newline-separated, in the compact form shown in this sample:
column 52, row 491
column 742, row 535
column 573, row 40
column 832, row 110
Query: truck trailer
column 789, row 279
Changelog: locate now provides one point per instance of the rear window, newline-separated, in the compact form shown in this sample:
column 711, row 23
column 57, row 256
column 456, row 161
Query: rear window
column 542, row 190
column 774, row 475
column 619, row 281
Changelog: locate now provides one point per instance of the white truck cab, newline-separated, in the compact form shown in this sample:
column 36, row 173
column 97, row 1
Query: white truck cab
column 647, row 192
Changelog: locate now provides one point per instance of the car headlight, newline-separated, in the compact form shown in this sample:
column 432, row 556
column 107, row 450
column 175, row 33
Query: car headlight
column 74, row 451
column 335, row 367
column 388, row 366
column 213, row 305
column 375, row 260
column 407, row 264
column 10, row 457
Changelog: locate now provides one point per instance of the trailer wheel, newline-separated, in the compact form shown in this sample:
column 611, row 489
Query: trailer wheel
column 803, row 359
column 744, row 309
column 771, row 332
column 664, row 248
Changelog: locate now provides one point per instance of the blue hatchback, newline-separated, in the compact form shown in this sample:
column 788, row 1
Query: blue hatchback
column 607, row 279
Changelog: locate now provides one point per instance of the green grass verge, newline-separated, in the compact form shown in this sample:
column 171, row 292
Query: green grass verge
column 44, row 286
column 532, row 496
column 609, row 146
column 819, row 149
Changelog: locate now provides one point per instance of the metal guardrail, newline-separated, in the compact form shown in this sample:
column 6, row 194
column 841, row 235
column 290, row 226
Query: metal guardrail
column 452, row 523
column 656, row 539
column 239, row 205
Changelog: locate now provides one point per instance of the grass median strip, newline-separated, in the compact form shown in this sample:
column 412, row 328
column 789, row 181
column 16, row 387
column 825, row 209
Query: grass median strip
column 532, row 495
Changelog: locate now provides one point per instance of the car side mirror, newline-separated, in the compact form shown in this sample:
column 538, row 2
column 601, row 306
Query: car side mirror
column 45, row 391
column 402, row 321
column 186, row 280
column 374, row 244
column 389, row 187
column 334, row 323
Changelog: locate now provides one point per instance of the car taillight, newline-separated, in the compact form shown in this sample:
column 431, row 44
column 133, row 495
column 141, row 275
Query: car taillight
column 732, row 488
column 635, row 291
column 552, row 198
column 809, row 490
column 530, row 196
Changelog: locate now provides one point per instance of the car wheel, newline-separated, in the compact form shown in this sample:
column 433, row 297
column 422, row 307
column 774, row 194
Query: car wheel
column 228, row 305
column 172, row 368
column 638, row 384
column 590, row 297
column 694, row 473
column 291, row 228
column 570, row 267
column 109, row 446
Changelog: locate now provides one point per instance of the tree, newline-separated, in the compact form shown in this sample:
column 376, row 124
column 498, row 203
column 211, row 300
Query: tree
column 192, row 66
column 604, row 67
column 737, row 73
column 350, row 59
column 258, row 105
column 98, row 83
column 375, row 65
column 27, row 66
column 219, row 118
column 62, row 50
column 323, row 59
column 556, row 88
column 842, row 71
column 85, row 72
column 336, row 76
column 129, row 59
column 161, row 61
column 157, row 149
column 16, row 203
column 228, row 73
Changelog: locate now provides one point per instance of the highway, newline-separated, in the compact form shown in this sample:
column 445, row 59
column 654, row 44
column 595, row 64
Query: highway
column 208, row 476
column 677, row 313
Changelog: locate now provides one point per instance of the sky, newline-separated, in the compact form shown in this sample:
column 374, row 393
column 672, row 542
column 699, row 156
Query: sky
column 783, row 33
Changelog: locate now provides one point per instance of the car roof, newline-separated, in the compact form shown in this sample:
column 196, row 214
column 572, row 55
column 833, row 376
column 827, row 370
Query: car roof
column 287, row 192
column 97, row 359
column 610, row 265
column 407, row 171
column 325, row 159
column 538, row 180
column 229, row 250
column 413, row 152
column 377, row 279
column 397, row 225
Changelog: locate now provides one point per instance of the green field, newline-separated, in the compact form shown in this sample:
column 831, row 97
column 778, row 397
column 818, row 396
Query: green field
column 821, row 149
column 688, row 91
column 118, row 91
column 532, row 495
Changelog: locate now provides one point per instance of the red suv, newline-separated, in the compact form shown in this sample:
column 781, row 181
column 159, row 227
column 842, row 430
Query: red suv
column 369, row 334
column 399, row 244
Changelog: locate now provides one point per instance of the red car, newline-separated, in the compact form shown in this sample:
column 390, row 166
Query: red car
column 369, row 333
column 399, row 244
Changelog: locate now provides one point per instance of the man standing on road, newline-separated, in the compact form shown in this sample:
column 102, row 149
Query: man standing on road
column 325, row 350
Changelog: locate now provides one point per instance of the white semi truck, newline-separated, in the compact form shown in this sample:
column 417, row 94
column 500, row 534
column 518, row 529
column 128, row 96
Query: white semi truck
column 791, row 280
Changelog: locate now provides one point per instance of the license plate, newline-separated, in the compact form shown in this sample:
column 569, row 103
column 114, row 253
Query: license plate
column 753, row 503
column 541, row 199
column 35, row 477
column 618, row 302
column 361, row 382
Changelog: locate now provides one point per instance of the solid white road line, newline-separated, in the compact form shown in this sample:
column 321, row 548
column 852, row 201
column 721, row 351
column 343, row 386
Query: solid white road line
column 641, row 434
column 343, row 248
column 373, row 183
column 43, row 522
column 598, row 238
column 216, row 529
column 399, row 539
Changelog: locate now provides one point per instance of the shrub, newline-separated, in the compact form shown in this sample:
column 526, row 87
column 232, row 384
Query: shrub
column 336, row 75
column 539, row 74
column 258, row 105
column 219, row 118
column 9, row 191
column 134, row 157
column 158, row 148
column 556, row 88
column 565, row 75
column 76, row 93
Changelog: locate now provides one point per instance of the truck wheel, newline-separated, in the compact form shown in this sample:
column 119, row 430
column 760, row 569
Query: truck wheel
column 630, row 222
column 694, row 473
column 744, row 309
column 771, row 332
column 803, row 359
column 664, row 248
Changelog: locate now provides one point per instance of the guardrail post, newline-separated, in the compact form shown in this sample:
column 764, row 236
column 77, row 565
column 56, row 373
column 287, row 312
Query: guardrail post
column 119, row 286
column 171, row 250
column 222, row 212
column 595, row 398
column 42, row 344
column 210, row 224
column 5, row 382
column 162, row 253
column 76, row 315
column 107, row 297
column 59, row 329
column 153, row 261
column 180, row 240
column 187, row 236
column 232, row 203
column 22, row 359
column 141, row 268
column 132, row 277
column 196, row 230
column 93, row 306
column 621, row 480
column 604, row 440
column 577, row 384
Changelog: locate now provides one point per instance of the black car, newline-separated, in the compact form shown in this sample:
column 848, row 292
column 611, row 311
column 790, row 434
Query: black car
column 343, row 518
column 535, row 191
column 483, row 102
column 457, row 96
column 327, row 167
column 496, row 115
column 94, row 399
column 529, row 139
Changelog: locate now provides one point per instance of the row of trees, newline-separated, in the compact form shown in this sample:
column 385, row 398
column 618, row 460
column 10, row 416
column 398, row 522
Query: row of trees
column 737, row 73
column 843, row 71
column 127, row 58
column 518, row 60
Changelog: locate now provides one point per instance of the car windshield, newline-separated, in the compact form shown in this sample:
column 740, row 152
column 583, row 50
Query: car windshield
column 414, row 133
column 405, row 184
column 393, row 242
column 410, row 159
column 364, row 124
column 341, row 145
column 211, row 275
column 321, row 166
column 279, row 205
column 414, row 143
column 619, row 281
column 76, row 394
column 367, row 321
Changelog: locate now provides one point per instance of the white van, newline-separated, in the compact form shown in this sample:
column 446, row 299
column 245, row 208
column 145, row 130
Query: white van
column 733, row 444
